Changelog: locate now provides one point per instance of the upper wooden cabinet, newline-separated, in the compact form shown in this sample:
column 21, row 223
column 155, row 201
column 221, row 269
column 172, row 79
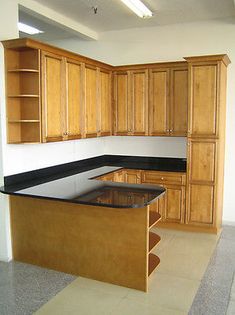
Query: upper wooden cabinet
column 131, row 102
column 105, row 110
column 159, row 102
column 179, row 101
column 74, row 99
column 168, row 101
column 203, row 100
column 91, row 101
column 61, row 98
column 53, row 97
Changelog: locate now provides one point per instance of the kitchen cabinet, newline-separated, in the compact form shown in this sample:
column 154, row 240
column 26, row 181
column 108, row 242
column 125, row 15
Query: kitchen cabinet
column 74, row 100
column 168, row 101
column 132, row 176
column 204, row 100
column 206, row 140
column 23, row 102
column 91, row 101
column 121, row 103
column 105, row 110
column 131, row 102
column 62, row 98
column 159, row 102
column 172, row 205
column 53, row 97
column 178, row 101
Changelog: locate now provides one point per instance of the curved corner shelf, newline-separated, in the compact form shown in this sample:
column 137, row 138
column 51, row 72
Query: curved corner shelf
column 154, row 217
column 154, row 261
column 154, row 239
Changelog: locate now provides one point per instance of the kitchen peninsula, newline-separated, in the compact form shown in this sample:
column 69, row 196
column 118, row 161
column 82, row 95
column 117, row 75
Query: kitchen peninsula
column 84, row 225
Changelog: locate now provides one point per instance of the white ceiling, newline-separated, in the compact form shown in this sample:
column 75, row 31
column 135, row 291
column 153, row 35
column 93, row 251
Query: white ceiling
column 114, row 15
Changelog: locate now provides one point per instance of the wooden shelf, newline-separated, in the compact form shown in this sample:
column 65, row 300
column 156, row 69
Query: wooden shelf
column 154, row 217
column 23, row 70
column 24, row 121
column 24, row 95
column 153, row 263
column 154, row 239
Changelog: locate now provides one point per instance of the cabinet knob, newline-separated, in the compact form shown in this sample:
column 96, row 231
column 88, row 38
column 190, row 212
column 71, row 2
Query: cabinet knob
column 162, row 178
column 171, row 130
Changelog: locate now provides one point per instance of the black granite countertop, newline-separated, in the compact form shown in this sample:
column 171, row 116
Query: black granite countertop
column 72, row 182
column 82, row 188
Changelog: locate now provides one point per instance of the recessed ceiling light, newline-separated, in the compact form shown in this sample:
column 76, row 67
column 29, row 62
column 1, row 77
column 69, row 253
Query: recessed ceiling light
column 138, row 8
column 28, row 29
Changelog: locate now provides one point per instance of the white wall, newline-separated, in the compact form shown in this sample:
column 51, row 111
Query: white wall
column 8, row 29
column 146, row 146
column 167, row 43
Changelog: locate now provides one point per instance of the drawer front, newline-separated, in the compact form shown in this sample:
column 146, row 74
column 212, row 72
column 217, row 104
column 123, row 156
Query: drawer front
column 154, row 177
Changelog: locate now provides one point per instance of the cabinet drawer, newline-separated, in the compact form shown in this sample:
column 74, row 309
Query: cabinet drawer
column 155, row 177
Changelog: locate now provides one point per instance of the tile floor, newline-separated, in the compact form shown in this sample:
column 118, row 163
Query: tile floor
column 184, row 259
column 173, row 287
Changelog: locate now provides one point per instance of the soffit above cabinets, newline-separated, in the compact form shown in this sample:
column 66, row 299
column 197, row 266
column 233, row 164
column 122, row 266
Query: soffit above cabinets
column 114, row 15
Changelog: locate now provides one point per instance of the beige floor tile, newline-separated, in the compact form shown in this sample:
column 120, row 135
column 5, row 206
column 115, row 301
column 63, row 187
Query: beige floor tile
column 117, row 290
column 205, row 236
column 190, row 267
column 166, row 239
column 232, row 293
column 191, row 246
column 231, row 308
column 75, row 299
column 133, row 307
column 168, row 292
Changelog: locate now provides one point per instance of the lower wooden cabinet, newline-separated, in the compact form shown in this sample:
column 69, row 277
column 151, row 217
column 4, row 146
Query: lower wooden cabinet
column 200, row 205
column 132, row 176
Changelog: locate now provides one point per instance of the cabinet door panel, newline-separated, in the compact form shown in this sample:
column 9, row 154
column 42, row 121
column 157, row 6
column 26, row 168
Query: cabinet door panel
column 105, row 103
column 140, row 102
column 74, row 100
column 121, row 88
column 53, row 99
column 90, row 102
column 175, row 204
column 159, row 102
column 203, row 99
column 179, row 102
column 202, row 161
column 132, row 176
column 200, row 204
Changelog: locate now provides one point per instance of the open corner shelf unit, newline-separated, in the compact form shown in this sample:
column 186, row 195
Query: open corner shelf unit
column 23, row 95
column 154, row 239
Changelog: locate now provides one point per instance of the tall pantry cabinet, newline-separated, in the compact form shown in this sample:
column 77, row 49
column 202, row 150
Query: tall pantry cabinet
column 206, row 139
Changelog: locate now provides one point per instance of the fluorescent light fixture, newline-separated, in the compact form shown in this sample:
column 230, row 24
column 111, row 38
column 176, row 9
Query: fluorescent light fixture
column 138, row 7
column 28, row 29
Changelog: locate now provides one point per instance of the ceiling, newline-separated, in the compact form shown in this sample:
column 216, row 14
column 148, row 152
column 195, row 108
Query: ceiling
column 114, row 15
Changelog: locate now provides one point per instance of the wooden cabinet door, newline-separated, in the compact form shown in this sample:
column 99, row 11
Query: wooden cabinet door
column 74, row 89
column 121, row 103
column 159, row 102
column 53, row 97
column 200, row 204
column 175, row 204
column 132, row 176
column 91, row 101
column 201, row 161
column 179, row 102
column 139, row 102
column 105, row 118
column 203, row 100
